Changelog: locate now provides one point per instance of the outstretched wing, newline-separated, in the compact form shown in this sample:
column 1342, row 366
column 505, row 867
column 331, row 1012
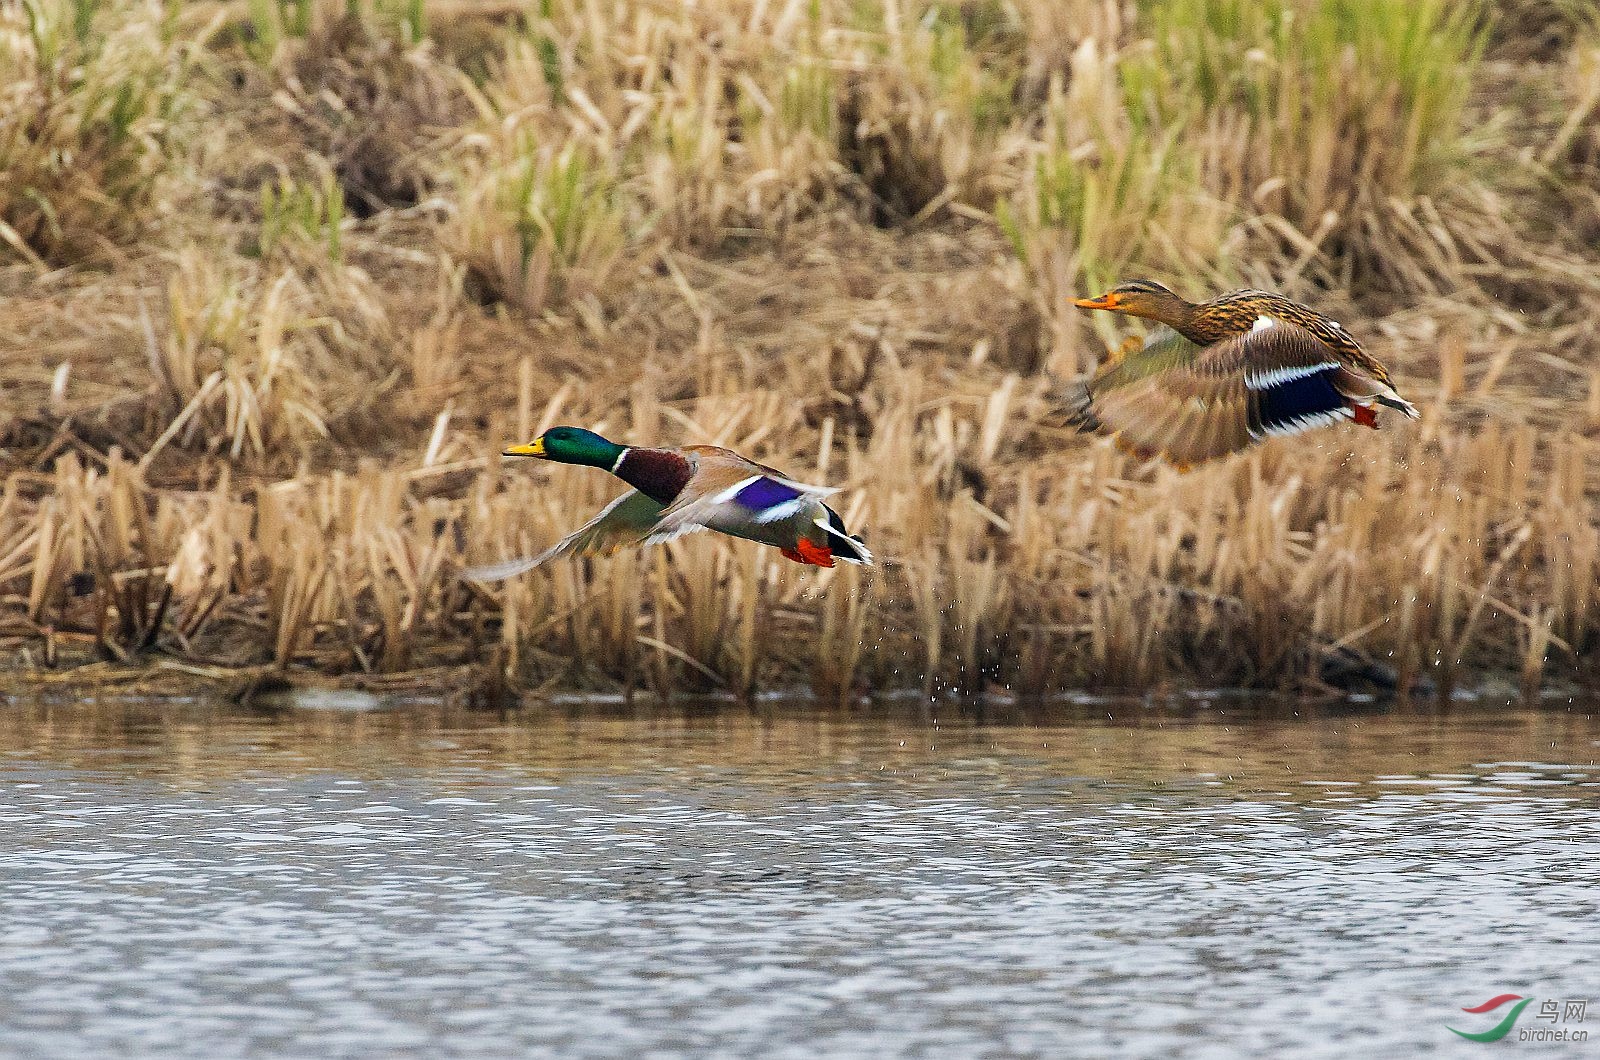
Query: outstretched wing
column 1191, row 403
column 1163, row 351
column 626, row 521
column 734, row 497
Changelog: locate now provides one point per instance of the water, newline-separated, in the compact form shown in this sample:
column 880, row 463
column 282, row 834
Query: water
column 199, row 880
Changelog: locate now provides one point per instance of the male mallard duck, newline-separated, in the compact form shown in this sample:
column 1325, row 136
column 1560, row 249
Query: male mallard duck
column 1224, row 374
column 679, row 491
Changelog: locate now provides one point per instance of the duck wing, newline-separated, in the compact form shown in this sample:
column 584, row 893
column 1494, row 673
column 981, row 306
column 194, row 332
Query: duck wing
column 733, row 495
column 626, row 521
column 1364, row 380
column 1191, row 403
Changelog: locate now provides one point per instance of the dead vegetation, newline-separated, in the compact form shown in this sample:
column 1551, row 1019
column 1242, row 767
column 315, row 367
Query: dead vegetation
column 283, row 279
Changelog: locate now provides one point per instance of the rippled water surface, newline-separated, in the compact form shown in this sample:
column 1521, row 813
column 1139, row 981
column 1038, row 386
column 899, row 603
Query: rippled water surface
column 197, row 879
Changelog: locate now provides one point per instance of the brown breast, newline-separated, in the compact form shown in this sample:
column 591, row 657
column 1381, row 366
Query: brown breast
column 659, row 474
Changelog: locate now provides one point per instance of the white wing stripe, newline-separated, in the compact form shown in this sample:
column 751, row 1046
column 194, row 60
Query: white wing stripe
column 732, row 491
column 1307, row 422
column 781, row 511
column 672, row 533
column 1278, row 376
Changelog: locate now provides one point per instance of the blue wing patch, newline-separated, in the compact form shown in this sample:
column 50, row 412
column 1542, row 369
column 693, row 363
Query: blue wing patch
column 766, row 493
column 1298, row 403
column 769, row 499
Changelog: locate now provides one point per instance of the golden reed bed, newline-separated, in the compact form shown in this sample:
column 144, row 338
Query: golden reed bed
column 308, row 271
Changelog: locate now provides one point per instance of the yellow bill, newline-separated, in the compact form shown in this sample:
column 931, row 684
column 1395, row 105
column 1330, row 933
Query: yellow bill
column 533, row 448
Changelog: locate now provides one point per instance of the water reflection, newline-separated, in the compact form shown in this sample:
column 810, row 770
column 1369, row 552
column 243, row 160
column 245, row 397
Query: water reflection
column 192, row 879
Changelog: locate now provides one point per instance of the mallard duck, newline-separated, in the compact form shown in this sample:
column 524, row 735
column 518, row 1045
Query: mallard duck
column 682, row 490
column 1225, row 374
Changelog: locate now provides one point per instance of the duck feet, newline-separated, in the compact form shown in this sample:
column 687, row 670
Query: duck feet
column 806, row 552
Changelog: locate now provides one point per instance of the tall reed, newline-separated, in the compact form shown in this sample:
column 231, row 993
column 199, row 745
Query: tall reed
column 100, row 103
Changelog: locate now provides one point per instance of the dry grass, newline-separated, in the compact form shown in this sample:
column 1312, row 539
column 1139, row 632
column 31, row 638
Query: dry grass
column 1538, row 30
column 1338, row 123
column 839, row 237
column 98, row 103
column 379, row 108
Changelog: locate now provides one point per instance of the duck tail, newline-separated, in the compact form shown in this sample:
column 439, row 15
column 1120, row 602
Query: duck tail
column 1395, row 401
column 845, row 545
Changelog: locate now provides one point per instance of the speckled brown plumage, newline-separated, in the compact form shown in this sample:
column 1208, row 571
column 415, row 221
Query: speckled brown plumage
column 1236, row 313
column 1193, row 403
column 1243, row 313
column 1231, row 372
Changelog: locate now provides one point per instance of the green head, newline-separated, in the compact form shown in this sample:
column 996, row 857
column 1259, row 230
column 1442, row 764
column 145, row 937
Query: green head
column 571, row 445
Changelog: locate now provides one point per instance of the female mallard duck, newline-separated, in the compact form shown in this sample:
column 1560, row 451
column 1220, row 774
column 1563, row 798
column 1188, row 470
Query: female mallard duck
column 1225, row 374
column 679, row 491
